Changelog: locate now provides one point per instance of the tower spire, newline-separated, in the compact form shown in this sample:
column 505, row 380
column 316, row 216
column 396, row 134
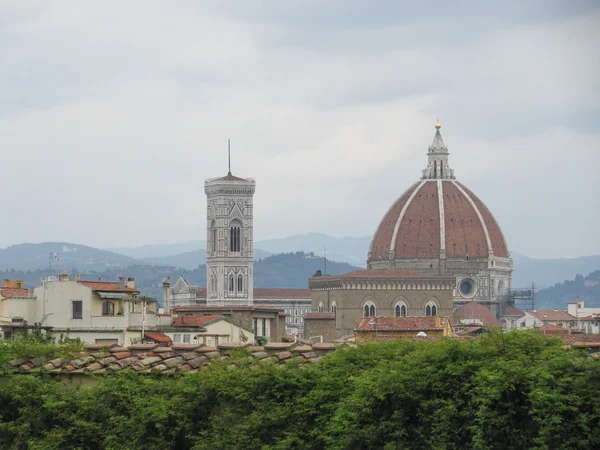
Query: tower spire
column 437, row 165
column 229, row 156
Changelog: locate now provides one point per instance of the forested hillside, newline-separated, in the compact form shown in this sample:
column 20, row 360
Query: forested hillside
column 581, row 288
column 290, row 270
column 517, row 390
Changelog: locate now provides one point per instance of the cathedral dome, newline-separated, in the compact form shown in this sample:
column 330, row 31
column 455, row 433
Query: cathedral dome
column 437, row 218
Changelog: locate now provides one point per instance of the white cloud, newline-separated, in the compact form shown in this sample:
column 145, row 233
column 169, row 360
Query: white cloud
column 112, row 115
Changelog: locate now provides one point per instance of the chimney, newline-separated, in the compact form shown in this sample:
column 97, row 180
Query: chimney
column 130, row 283
column 121, row 282
column 438, row 321
column 167, row 295
column 64, row 276
column 99, row 278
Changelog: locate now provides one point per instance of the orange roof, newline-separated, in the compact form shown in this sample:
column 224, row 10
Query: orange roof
column 281, row 293
column 512, row 311
column 194, row 321
column 380, row 274
column 158, row 337
column 13, row 292
column 318, row 315
column 226, row 308
column 548, row 314
column 107, row 286
column 474, row 310
column 401, row 323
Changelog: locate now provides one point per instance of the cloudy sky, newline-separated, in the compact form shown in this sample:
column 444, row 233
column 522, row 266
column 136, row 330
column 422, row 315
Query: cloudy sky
column 112, row 115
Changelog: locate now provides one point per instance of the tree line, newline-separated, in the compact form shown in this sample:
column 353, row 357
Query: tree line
column 518, row 390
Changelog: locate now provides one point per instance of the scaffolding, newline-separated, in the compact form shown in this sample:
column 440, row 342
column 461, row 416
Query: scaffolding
column 523, row 298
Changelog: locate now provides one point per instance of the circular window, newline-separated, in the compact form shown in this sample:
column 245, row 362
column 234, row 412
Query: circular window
column 467, row 288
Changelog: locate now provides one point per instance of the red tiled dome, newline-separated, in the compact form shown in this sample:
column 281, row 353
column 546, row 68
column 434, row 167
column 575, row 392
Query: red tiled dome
column 420, row 224
column 437, row 217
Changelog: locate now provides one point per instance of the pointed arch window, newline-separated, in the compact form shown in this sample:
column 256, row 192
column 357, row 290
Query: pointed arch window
column 334, row 308
column 369, row 309
column 431, row 309
column 240, row 284
column 400, row 309
column 320, row 307
column 235, row 238
column 213, row 236
column 231, row 283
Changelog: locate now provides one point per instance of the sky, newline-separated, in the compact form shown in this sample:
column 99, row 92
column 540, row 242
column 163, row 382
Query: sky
column 112, row 115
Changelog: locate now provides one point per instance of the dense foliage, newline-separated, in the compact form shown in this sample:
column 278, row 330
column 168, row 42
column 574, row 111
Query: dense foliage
column 37, row 345
column 519, row 390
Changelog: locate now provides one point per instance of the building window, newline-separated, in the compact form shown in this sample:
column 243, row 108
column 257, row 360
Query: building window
column 234, row 238
column 369, row 309
column 334, row 308
column 431, row 309
column 230, row 283
column 186, row 338
column 240, row 284
column 77, row 309
column 108, row 309
column 176, row 338
column 213, row 235
column 320, row 307
column 400, row 309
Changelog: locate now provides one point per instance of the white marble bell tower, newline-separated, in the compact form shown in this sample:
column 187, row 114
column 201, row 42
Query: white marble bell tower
column 229, row 240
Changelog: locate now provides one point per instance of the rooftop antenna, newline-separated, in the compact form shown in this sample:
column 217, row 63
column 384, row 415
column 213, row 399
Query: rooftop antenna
column 229, row 154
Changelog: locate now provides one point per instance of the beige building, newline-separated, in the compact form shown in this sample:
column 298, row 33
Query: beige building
column 209, row 330
column 17, row 306
column 376, row 293
column 262, row 321
column 95, row 311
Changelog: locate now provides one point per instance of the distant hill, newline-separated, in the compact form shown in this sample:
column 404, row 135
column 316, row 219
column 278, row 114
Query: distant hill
column 159, row 250
column 189, row 260
column 189, row 255
column 290, row 270
column 547, row 272
column 352, row 250
column 580, row 288
column 82, row 257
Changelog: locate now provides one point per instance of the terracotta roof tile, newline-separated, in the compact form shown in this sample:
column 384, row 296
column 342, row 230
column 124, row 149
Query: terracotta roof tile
column 545, row 314
column 194, row 321
column 158, row 337
column 474, row 310
column 14, row 292
column 281, row 293
column 512, row 311
column 319, row 315
column 401, row 323
column 106, row 286
column 380, row 274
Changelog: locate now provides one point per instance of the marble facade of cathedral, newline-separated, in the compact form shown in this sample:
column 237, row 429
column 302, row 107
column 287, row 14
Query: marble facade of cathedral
column 437, row 247
column 439, row 227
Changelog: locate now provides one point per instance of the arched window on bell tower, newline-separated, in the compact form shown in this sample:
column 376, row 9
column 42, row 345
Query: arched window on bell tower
column 235, row 235
column 213, row 236
column 240, row 286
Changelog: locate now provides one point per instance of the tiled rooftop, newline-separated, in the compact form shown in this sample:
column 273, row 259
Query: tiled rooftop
column 180, row 358
column 319, row 315
column 474, row 310
column 107, row 286
column 549, row 314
